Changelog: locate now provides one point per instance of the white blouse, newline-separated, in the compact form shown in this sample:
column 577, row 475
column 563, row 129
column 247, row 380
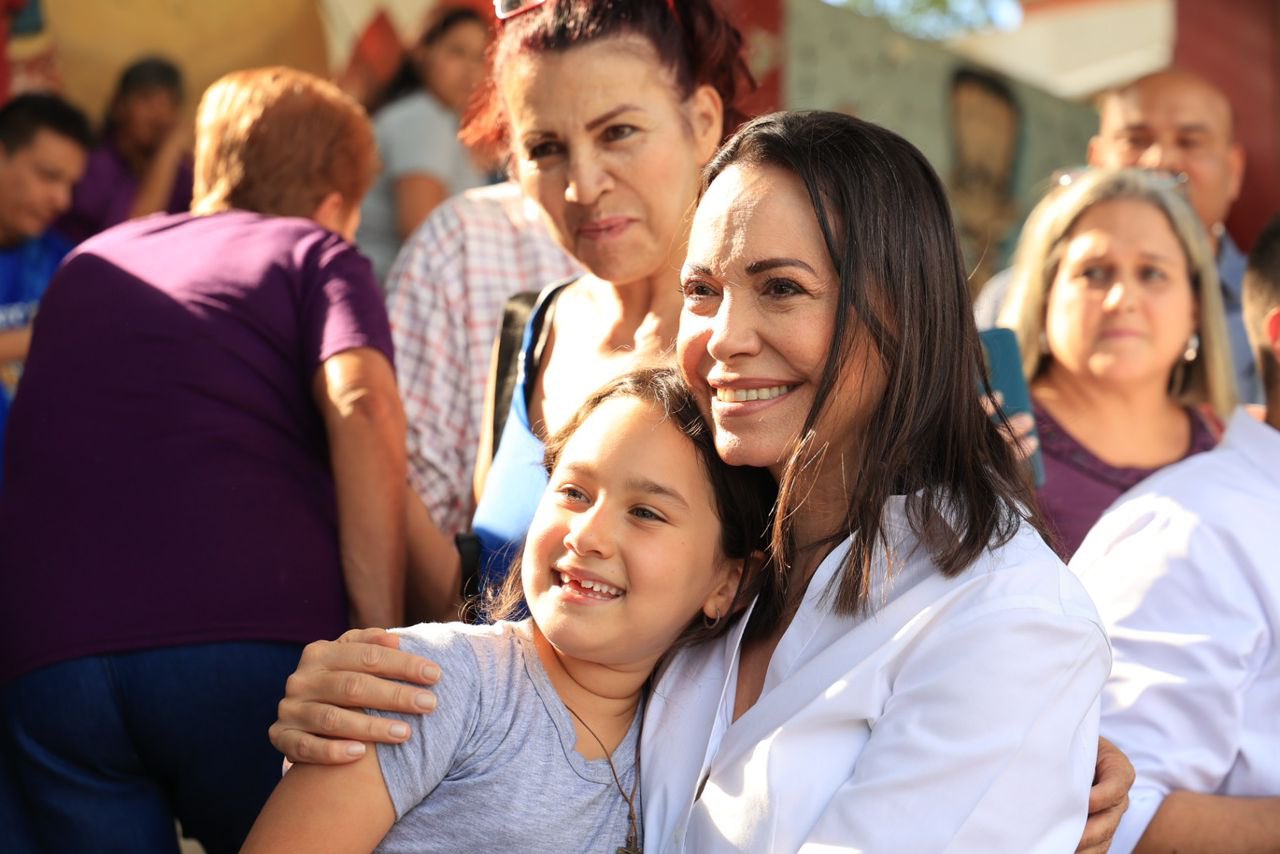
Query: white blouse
column 961, row 716
column 1185, row 574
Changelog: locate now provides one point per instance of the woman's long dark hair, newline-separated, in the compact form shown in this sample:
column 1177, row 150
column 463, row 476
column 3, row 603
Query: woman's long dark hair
column 887, row 226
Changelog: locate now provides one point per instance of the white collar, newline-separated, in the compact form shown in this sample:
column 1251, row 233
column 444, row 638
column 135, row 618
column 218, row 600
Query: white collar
column 1256, row 440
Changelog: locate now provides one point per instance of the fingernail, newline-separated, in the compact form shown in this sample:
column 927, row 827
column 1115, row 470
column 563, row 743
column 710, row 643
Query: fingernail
column 425, row 701
column 356, row 749
column 998, row 398
column 1022, row 419
column 430, row 672
column 399, row 731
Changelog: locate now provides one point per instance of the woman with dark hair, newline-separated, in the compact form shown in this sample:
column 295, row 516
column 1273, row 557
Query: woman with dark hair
column 921, row 652
column 143, row 164
column 417, row 128
column 929, row 654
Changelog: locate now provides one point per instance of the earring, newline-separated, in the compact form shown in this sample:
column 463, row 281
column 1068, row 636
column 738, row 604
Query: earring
column 1193, row 348
column 711, row 624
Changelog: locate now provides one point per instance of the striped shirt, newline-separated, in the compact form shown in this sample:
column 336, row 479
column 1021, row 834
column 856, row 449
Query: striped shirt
column 445, row 296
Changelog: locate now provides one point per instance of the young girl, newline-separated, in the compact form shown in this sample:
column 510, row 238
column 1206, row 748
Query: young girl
column 643, row 541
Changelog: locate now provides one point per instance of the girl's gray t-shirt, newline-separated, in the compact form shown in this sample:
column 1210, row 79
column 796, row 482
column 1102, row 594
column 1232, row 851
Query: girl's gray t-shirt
column 494, row 768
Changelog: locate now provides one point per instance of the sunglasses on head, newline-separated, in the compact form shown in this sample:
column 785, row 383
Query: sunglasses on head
column 1176, row 181
column 504, row 9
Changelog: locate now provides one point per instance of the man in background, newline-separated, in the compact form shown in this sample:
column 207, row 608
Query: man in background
column 1177, row 122
column 44, row 142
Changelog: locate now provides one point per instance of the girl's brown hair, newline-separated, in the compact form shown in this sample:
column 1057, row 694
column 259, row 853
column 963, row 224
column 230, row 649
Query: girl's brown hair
column 744, row 496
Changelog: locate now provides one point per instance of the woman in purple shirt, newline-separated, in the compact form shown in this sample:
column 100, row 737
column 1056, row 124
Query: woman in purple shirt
column 205, row 469
column 143, row 164
column 1116, row 304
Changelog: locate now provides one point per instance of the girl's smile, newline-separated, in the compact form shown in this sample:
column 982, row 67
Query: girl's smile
column 624, row 552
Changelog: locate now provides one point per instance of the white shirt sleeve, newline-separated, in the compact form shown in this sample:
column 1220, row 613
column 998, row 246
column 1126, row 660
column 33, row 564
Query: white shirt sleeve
column 1188, row 635
column 988, row 742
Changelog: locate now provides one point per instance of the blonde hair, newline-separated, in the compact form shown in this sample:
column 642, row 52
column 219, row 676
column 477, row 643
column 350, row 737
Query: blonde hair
column 278, row 141
column 1206, row 380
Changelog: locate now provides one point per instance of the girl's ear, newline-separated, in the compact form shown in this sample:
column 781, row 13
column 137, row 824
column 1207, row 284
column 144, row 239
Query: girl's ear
column 720, row 603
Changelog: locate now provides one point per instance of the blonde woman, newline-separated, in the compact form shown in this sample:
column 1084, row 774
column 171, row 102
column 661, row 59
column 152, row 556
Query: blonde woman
column 1116, row 305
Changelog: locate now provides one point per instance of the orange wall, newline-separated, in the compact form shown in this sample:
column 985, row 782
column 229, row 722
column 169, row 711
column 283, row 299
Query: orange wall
column 1237, row 45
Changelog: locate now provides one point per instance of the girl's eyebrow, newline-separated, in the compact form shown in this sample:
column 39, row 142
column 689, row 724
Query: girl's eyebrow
column 652, row 487
column 636, row 484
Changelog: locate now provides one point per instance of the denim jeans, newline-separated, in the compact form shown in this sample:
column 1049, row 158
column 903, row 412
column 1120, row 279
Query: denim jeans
column 108, row 750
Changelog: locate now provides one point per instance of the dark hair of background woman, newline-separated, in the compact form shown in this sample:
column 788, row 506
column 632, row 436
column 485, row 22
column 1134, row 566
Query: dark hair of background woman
column 692, row 38
column 887, row 226
column 151, row 72
column 744, row 496
column 408, row 77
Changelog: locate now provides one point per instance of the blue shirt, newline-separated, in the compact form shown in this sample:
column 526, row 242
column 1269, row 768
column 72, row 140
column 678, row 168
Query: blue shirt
column 516, row 478
column 1231, row 268
column 25, row 271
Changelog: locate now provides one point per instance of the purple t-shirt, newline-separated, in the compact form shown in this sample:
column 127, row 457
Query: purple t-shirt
column 1078, row 486
column 167, row 470
column 104, row 196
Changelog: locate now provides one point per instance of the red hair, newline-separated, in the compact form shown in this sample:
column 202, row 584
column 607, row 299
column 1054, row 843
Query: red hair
column 692, row 39
column 277, row 141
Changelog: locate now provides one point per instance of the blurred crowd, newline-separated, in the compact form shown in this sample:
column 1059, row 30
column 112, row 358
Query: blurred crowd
column 295, row 369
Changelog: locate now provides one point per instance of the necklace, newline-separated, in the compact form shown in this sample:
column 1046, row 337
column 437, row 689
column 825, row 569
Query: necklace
column 632, row 845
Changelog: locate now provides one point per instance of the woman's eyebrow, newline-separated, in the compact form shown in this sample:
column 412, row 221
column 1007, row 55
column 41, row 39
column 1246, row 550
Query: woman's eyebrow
column 766, row 264
column 615, row 112
column 692, row 269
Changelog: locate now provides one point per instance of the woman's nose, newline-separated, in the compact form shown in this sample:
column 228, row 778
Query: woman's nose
column 734, row 330
column 1120, row 294
column 588, row 178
